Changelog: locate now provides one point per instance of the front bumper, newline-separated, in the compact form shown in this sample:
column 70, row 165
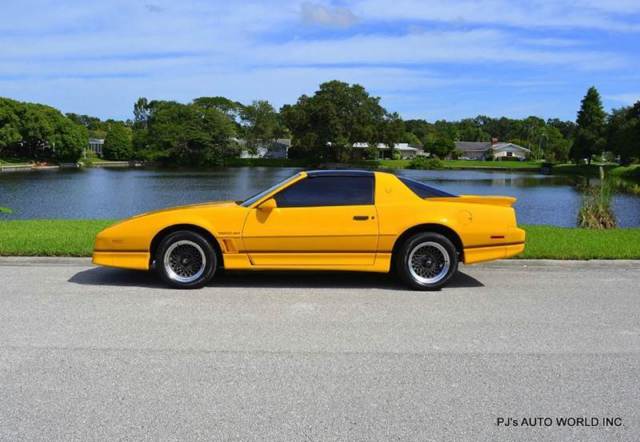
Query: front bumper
column 121, row 259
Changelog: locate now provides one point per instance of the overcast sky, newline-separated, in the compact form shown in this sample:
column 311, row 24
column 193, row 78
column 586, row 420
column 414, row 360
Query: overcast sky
column 425, row 58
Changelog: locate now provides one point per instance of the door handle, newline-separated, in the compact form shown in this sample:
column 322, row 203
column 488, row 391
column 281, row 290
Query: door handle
column 360, row 218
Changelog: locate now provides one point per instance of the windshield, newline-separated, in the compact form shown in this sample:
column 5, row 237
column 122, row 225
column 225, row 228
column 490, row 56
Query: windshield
column 257, row 197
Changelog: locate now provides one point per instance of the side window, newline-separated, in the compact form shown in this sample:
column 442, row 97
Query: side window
column 328, row 191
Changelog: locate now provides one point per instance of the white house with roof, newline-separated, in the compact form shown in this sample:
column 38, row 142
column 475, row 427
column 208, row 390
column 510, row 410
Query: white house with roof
column 508, row 151
column 486, row 150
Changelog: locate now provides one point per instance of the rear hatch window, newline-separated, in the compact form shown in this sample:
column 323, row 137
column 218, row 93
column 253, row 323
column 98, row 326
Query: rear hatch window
column 422, row 190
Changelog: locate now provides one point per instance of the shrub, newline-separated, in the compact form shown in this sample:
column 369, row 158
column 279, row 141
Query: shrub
column 596, row 211
column 425, row 163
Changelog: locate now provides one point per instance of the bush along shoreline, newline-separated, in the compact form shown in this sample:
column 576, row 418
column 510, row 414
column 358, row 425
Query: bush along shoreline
column 75, row 238
column 621, row 177
column 596, row 211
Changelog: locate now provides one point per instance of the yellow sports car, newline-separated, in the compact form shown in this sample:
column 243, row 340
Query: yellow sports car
column 320, row 220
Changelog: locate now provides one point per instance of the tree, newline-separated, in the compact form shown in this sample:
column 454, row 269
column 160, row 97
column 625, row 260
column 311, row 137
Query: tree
column 420, row 128
column 623, row 133
column 470, row 130
column 69, row 140
column 118, row 144
column 261, row 124
column 556, row 147
column 410, row 138
column 391, row 131
column 445, row 130
column 231, row 109
column 39, row 132
column 187, row 134
column 326, row 125
column 440, row 146
column 590, row 132
column 10, row 135
column 566, row 128
column 142, row 111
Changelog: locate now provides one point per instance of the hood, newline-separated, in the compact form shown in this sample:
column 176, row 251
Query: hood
column 189, row 206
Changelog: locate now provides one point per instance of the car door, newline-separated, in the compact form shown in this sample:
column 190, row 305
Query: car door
column 321, row 220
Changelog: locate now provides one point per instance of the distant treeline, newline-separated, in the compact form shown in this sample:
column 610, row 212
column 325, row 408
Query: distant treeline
column 322, row 127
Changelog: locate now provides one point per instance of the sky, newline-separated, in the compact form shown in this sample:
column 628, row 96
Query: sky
column 428, row 59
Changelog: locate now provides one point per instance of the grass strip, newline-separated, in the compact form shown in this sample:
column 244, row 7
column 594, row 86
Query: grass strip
column 41, row 237
column 75, row 238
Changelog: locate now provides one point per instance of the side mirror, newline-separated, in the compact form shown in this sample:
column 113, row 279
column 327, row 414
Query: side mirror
column 268, row 205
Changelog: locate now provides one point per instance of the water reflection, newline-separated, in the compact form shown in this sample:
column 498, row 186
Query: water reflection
column 118, row 193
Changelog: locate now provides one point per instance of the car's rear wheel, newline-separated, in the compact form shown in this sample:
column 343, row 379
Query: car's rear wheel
column 426, row 261
column 186, row 260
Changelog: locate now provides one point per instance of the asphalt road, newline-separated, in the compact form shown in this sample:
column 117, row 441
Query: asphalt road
column 91, row 353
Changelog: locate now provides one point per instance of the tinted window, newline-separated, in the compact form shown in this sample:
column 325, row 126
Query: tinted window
column 328, row 191
column 422, row 190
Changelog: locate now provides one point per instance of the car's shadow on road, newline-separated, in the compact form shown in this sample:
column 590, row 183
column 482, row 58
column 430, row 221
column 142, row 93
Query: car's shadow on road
column 101, row 276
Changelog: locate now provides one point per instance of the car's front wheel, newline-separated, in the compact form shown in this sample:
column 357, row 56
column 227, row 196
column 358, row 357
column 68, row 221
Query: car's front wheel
column 426, row 261
column 186, row 260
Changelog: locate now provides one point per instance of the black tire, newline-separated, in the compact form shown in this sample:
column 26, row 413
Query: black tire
column 191, row 260
column 435, row 261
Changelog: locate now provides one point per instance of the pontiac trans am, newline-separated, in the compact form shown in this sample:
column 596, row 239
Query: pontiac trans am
column 320, row 220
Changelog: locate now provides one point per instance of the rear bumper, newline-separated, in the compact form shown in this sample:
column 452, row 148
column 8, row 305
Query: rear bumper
column 123, row 260
column 480, row 254
column 513, row 244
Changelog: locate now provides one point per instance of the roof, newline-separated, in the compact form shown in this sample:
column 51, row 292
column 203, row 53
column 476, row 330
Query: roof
column 473, row 146
column 499, row 146
column 339, row 172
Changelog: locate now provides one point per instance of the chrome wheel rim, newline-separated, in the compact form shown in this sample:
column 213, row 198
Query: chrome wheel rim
column 429, row 262
column 184, row 261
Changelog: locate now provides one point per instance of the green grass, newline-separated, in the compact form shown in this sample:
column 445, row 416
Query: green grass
column 49, row 237
column 632, row 171
column 549, row 242
column 75, row 238
column 15, row 162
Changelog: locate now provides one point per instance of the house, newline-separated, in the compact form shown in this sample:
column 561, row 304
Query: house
column 487, row 150
column 473, row 150
column 275, row 149
column 510, row 151
column 406, row 150
column 95, row 146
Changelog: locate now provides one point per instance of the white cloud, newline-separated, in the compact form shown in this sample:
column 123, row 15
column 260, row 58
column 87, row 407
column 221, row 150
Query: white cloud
column 552, row 42
column 458, row 47
column 593, row 14
column 71, row 53
column 317, row 14
column 614, row 6
column 625, row 98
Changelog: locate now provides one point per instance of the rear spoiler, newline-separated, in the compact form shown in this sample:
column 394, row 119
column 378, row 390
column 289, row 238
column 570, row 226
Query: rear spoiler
column 505, row 201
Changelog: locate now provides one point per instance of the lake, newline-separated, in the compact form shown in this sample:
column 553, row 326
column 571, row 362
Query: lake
column 119, row 193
